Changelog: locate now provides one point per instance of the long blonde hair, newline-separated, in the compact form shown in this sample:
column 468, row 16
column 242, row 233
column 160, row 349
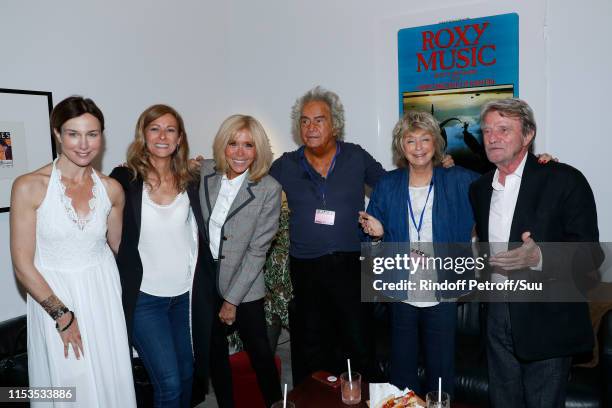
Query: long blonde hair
column 138, row 154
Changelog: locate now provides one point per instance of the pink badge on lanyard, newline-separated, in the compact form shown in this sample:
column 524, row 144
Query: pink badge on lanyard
column 325, row 217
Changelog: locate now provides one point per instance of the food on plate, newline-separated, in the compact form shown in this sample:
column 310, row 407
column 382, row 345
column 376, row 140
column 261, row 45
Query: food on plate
column 405, row 401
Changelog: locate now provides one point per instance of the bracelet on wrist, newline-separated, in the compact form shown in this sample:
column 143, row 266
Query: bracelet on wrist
column 60, row 312
column 68, row 325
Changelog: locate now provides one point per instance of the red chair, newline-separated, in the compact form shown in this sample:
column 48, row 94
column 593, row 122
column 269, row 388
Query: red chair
column 246, row 389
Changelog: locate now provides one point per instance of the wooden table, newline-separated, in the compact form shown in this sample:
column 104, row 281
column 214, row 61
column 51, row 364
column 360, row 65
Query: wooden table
column 312, row 393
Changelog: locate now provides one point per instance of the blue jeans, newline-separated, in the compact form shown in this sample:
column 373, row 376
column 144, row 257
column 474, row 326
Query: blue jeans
column 163, row 341
column 433, row 330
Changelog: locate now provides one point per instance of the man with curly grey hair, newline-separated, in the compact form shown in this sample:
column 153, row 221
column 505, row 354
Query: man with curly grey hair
column 324, row 182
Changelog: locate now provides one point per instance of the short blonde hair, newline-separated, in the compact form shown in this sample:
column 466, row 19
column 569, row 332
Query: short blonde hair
column 227, row 133
column 416, row 120
column 138, row 154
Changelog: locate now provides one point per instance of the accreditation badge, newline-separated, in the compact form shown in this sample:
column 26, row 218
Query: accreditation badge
column 325, row 217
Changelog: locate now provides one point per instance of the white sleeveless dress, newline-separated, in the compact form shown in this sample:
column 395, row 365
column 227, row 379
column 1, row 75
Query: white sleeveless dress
column 73, row 256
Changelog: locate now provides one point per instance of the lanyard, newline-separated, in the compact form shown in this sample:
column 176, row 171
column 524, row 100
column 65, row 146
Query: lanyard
column 418, row 228
column 321, row 185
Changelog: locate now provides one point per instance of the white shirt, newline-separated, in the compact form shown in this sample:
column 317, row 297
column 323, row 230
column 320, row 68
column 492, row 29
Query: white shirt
column 501, row 213
column 418, row 195
column 503, row 201
column 227, row 195
column 167, row 246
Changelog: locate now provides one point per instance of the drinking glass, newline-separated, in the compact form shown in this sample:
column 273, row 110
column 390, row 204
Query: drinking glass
column 350, row 390
column 279, row 404
column 433, row 402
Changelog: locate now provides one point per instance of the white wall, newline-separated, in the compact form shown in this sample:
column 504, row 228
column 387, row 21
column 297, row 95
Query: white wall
column 578, row 90
column 210, row 59
column 126, row 55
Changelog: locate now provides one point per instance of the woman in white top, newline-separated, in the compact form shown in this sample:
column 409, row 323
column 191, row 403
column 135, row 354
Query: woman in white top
column 64, row 217
column 164, row 260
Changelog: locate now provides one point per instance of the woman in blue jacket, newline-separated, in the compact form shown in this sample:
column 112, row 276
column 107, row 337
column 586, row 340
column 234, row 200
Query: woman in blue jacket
column 421, row 203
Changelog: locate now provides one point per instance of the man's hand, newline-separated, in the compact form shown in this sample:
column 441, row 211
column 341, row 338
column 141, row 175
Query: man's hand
column 526, row 256
column 227, row 314
column 194, row 164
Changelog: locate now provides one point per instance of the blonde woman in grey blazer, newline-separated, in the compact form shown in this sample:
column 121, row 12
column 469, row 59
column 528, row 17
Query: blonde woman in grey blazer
column 240, row 207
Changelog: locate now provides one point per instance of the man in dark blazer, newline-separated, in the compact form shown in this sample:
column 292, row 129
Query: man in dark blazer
column 530, row 345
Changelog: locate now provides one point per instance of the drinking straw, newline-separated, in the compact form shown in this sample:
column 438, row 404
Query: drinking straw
column 348, row 361
column 285, row 397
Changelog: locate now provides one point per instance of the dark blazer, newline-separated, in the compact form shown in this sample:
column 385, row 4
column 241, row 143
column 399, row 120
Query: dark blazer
column 556, row 204
column 130, row 268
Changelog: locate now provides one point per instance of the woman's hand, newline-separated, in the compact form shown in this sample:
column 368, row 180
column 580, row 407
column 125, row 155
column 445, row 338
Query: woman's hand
column 371, row 225
column 227, row 314
column 447, row 161
column 71, row 336
column 545, row 158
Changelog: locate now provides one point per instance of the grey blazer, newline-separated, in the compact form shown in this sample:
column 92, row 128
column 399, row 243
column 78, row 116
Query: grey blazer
column 246, row 235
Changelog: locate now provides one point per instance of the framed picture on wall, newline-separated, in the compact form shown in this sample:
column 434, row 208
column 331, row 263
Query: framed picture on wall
column 26, row 140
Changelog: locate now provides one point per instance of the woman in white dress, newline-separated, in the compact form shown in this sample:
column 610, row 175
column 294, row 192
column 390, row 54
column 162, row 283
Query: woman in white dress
column 65, row 218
